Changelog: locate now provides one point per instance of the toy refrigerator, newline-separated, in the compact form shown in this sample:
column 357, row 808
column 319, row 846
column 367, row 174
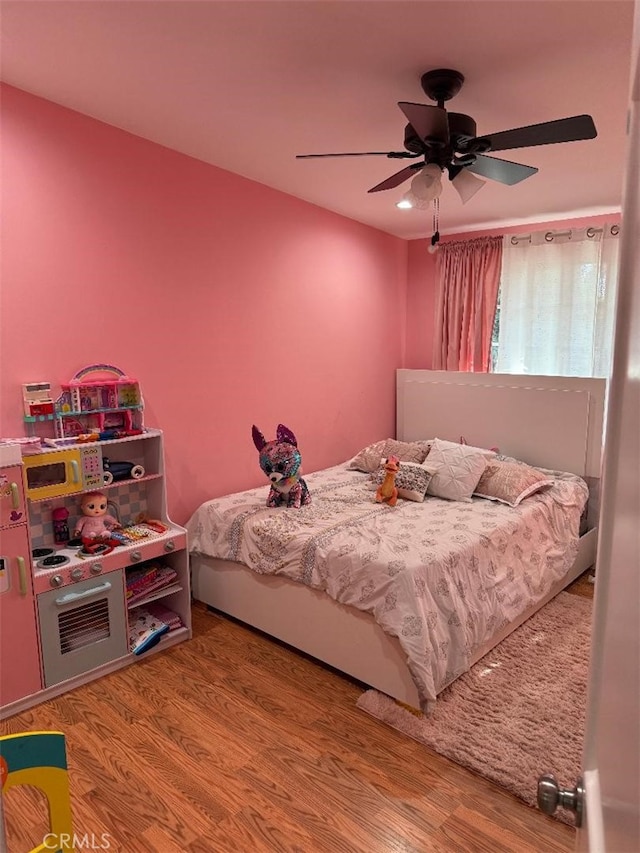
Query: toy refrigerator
column 19, row 652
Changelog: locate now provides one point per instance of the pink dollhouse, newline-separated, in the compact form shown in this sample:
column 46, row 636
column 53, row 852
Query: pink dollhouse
column 99, row 398
column 100, row 401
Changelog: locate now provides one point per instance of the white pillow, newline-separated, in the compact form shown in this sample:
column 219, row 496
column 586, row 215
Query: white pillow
column 456, row 469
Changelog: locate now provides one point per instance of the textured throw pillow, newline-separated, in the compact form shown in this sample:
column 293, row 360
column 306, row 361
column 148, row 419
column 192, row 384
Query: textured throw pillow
column 406, row 451
column 411, row 480
column 456, row 469
column 510, row 482
column 425, row 446
column 369, row 459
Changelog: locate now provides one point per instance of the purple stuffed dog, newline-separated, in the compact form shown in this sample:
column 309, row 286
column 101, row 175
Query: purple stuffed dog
column 280, row 460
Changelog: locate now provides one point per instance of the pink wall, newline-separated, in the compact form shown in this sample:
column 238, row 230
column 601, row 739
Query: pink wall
column 231, row 302
column 421, row 284
column 421, row 271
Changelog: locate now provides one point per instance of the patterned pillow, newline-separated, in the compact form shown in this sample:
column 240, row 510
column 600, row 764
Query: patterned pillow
column 456, row 469
column 369, row 459
column 510, row 482
column 411, row 480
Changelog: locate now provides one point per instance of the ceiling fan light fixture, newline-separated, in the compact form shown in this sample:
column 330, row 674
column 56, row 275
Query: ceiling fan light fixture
column 410, row 200
column 427, row 184
column 405, row 202
column 467, row 185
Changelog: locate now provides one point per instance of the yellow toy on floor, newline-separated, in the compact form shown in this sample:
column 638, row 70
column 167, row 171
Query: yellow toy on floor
column 40, row 759
column 387, row 490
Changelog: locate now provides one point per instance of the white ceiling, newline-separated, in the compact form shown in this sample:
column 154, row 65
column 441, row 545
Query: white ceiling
column 248, row 85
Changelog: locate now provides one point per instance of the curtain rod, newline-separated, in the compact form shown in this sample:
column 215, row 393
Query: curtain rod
column 550, row 236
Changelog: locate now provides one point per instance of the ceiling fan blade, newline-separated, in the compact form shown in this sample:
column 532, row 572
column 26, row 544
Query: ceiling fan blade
column 398, row 178
column 503, row 171
column 547, row 133
column 393, row 154
column 429, row 123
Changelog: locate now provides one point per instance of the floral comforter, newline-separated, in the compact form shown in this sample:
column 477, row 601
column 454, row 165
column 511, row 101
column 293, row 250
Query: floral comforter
column 443, row 577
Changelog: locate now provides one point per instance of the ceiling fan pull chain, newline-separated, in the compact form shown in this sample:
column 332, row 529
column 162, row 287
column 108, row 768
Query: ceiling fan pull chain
column 436, row 221
column 435, row 238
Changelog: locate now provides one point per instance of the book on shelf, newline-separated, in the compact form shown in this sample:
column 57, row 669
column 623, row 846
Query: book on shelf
column 147, row 579
column 148, row 624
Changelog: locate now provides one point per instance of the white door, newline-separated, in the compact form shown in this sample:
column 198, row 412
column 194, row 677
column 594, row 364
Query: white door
column 611, row 760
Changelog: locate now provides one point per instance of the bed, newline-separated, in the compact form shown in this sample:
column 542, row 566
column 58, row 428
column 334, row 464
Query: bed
column 405, row 599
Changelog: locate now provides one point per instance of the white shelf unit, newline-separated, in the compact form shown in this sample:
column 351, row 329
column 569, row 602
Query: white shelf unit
column 82, row 605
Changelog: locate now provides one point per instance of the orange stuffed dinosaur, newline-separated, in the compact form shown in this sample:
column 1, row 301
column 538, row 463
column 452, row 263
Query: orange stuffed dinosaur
column 387, row 490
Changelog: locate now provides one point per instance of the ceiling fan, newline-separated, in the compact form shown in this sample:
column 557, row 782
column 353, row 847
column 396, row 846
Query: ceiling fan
column 448, row 141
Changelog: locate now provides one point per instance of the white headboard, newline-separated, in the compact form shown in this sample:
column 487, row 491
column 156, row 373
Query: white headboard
column 548, row 421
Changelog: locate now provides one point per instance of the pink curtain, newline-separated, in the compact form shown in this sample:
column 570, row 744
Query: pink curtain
column 467, row 278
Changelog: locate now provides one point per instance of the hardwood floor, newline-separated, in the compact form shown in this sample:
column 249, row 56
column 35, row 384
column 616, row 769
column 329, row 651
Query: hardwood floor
column 232, row 742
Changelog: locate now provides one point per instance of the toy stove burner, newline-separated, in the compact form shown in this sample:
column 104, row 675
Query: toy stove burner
column 39, row 553
column 74, row 543
column 53, row 561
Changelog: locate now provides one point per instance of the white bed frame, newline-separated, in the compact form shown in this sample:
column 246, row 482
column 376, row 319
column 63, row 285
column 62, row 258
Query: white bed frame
column 552, row 422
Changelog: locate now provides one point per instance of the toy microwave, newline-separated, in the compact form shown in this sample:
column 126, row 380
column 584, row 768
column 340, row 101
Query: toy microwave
column 55, row 473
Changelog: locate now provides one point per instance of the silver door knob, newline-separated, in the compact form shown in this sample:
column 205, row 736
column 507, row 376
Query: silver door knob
column 551, row 796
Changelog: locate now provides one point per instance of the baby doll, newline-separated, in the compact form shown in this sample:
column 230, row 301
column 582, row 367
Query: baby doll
column 95, row 523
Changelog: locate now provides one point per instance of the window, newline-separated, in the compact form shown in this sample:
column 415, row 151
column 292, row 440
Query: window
column 556, row 304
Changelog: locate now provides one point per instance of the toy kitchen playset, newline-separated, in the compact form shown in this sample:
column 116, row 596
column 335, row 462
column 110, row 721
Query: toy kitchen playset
column 93, row 573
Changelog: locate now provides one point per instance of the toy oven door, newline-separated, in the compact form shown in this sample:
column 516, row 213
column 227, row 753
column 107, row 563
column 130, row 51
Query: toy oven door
column 82, row 626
